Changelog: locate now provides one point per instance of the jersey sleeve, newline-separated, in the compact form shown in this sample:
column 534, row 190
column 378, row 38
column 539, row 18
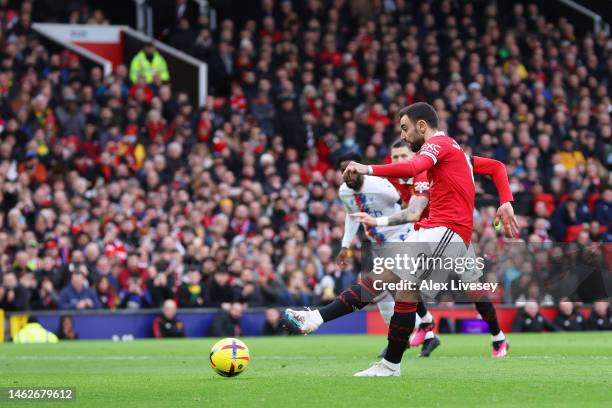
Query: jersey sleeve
column 497, row 171
column 405, row 169
column 434, row 150
column 421, row 185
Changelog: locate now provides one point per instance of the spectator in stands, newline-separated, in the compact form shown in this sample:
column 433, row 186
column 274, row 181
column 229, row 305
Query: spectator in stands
column 529, row 319
column 601, row 317
column 33, row 332
column 272, row 287
column 272, row 326
column 33, row 167
column 183, row 36
column 191, row 293
column 66, row 328
column 69, row 116
column 12, row 295
column 218, row 288
column 77, row 295
column 46, row 297
column 568, row 318
column 297, row 293
column 603, row 208
column 106, row 293
column 167, row 324
column 227, row 322
column 159, row 287
column 134, row 296
column 149, row 63
column 248, row 289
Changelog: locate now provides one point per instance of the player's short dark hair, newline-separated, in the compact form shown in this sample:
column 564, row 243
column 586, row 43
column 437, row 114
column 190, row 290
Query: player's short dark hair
column 421, row 111
column 398, row 144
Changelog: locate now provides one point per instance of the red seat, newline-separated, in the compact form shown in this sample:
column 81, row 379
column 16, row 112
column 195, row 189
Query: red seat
column 547, row 199
column 592, row 200
column 572, row 232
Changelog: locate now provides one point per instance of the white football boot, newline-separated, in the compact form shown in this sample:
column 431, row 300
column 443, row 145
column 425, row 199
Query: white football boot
column 382, row 368
column 305, row 321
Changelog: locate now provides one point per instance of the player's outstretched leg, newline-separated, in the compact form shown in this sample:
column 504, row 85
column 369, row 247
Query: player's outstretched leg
column 487, row 311
column 354, row 298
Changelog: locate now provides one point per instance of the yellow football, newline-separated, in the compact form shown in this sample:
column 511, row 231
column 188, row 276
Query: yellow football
column 229, row 357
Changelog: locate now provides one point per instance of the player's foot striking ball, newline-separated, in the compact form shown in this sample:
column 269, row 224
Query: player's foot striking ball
column 302, row 321
column 229, row 357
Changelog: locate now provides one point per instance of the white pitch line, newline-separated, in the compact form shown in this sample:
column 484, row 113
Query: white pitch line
column 292, row 357
column 156, row 357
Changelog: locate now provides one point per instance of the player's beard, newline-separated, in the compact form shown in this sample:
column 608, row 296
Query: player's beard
column 418, row 141
column 415, row 147
column 355, row 184
column 417, row 144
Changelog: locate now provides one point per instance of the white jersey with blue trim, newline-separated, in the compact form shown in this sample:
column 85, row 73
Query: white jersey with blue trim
column 379, row 198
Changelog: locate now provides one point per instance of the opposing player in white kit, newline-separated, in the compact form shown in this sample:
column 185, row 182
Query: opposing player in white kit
column 377, row 197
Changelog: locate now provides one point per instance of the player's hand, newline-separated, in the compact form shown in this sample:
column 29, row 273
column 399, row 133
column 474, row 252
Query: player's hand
column 505, row 215
column 342, row 256
column 355, row 168
column 364, row 218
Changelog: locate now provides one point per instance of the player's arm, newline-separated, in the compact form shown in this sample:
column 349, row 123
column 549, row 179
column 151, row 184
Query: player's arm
column 416, row 205
column 497, row 171
column 351, row 226
column 412, row 213
column 420, row 163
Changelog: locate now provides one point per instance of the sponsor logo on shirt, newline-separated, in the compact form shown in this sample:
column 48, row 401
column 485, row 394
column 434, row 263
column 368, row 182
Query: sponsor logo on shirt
column 421, row 186
column 431, row 147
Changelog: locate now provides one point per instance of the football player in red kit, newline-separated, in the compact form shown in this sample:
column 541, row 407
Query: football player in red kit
column 417, row 198
column 445, row 233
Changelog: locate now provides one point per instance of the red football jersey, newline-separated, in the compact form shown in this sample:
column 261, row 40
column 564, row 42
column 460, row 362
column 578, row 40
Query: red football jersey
column 451, row 187
column 407, row 187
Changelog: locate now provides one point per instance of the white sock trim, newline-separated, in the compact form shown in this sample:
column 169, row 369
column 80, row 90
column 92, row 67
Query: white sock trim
column 428, row 318
column 499, row 336
column 429, row 335
column 390, row 365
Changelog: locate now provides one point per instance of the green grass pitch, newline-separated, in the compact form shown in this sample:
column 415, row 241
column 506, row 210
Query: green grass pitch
column 557, row 370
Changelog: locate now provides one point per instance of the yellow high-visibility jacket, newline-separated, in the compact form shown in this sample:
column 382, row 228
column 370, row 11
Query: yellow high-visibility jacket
column 34, row 333
column 140, row 65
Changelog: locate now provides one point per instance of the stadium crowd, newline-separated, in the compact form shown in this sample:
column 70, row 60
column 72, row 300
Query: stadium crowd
column 122, row 195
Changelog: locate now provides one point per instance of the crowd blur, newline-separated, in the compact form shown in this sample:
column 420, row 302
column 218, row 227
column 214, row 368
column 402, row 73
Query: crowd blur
column 121, row 193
